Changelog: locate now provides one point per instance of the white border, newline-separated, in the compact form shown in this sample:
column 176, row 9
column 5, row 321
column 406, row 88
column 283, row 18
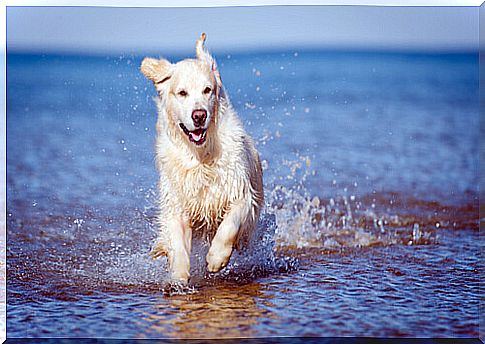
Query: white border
column 146, row 3
column 3, row 177
column 232, row 3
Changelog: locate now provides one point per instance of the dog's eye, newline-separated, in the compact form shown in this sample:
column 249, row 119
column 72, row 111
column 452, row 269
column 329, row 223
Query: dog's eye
column 182, row 93
column 207, row 90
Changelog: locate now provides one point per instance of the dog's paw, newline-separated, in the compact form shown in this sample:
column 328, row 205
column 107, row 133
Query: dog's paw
column 171, row 288
column 180, row 277
column 218, row 257
column 158, row 250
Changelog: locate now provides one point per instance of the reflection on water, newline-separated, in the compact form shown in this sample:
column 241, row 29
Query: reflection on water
column 371, row 189
column 214, row 313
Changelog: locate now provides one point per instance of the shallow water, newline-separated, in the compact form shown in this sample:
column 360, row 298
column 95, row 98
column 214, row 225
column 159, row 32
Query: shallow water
column 371, row 182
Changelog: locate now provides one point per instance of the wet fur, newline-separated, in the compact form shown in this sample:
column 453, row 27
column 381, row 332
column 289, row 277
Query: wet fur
column 208, row 187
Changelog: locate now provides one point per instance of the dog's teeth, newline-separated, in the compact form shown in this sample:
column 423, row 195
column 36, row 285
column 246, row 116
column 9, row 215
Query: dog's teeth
column 196, row 137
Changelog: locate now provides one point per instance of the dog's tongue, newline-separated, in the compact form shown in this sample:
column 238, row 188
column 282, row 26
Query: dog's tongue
column 196, row 135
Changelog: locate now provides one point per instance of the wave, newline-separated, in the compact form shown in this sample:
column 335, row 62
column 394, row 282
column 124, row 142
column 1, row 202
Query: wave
column 92, row 251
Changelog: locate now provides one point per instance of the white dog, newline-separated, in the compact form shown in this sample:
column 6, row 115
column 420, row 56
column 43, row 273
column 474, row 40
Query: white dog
column 210, row 172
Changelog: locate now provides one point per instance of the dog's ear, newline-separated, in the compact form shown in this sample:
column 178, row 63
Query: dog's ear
column 203, row 55
column 157, row 70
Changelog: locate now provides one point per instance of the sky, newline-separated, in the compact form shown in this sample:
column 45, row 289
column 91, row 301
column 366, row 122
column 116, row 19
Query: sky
column 143, row 30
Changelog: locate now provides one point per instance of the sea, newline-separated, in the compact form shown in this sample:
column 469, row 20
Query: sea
column 371, row 219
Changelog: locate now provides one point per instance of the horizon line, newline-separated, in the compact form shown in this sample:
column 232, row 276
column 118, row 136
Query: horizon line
column 464, row 50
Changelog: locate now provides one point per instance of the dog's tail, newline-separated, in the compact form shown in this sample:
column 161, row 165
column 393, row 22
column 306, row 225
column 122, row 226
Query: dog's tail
column 199, row 47
column 203, row 54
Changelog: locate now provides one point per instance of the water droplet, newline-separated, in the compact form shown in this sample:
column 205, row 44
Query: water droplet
column 416, row 232
column 264, row 164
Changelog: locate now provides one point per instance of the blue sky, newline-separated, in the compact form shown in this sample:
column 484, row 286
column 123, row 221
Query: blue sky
column 141, row 30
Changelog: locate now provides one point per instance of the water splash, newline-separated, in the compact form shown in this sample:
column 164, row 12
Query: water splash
column 308, row 221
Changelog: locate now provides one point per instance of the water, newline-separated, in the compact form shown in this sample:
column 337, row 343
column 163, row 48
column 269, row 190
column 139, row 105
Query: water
column 371, row 181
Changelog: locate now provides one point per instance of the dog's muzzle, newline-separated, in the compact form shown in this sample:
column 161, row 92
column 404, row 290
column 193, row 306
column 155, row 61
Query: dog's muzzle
column 196, row 136
column 199, row 116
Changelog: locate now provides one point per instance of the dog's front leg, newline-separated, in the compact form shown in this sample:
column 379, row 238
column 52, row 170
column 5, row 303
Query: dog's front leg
column 180, row 234
column 221, row 247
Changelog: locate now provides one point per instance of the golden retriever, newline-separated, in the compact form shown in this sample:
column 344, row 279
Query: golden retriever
column 210, row 172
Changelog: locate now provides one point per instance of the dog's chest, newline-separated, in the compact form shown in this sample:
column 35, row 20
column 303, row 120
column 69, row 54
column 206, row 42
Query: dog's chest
column 205, row 191
column 205, row 183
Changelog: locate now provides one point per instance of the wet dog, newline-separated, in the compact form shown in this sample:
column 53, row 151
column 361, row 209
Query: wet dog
column 210, row 172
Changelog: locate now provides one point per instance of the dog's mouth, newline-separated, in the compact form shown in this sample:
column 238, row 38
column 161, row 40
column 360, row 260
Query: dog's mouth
column 196, row 136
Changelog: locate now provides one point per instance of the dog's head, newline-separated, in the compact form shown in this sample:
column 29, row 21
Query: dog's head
column 189, row 91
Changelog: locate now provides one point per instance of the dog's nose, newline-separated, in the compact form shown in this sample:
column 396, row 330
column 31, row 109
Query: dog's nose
column 199, row 117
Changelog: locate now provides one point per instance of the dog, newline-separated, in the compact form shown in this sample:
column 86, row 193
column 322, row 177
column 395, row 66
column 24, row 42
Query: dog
column 211, row 179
